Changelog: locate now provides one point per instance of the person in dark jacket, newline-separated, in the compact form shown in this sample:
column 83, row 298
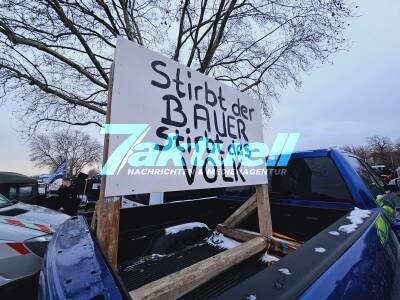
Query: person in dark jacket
column 68, row 198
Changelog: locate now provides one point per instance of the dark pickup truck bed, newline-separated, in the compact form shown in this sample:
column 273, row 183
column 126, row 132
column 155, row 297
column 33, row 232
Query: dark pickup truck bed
column 136, row 270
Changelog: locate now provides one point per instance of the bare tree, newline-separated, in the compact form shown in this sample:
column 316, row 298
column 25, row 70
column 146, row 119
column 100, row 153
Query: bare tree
column 76, row 147
column 381, row 147
column 360, row 151
column 396, row 154
column 93, row 172
column 55, row 55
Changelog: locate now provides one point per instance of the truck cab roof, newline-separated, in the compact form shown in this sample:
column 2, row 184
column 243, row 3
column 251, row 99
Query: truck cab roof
column 11, row 177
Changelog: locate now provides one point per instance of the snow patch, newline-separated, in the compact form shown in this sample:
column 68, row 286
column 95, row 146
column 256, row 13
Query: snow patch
column 186, row 226
column 285, row 271
column 349, row 228
column 319, row 250
column 157, row 256
column 357, row 215
column 356, row 218
column 334, row 232
column 268, row 258
column 251, row 297
column 221, row 241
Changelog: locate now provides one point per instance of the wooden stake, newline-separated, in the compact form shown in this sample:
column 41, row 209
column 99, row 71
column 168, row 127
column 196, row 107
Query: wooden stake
column 108, row 208
column 276, row 244
column 93, row 224
column 108, row 227
column 178, row 284
column 264, row 211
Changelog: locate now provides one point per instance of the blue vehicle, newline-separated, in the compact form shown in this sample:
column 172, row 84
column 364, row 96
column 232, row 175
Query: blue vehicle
column 343, row 218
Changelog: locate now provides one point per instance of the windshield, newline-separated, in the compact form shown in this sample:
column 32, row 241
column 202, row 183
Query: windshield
column 372, row 181
column 4, row 200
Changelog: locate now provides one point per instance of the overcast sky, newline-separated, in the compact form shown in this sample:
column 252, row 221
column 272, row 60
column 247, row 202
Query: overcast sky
column 356, row 96
column 341, row 103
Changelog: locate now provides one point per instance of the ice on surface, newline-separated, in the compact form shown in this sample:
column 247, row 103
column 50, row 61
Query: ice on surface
column 357, row 215
column 334, row 232
column 320, row 250
column 349, row 228
column 285, row 271
column 356, row 218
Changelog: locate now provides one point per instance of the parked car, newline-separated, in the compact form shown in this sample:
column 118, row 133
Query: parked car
column 342, row 217
column 19, row 187
column 25, row 231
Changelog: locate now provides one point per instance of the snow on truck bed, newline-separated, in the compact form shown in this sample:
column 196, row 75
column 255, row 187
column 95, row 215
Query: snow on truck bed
column 186, row 226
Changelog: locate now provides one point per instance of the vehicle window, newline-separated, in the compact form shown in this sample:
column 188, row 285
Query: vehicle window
column 3, row 200
column 12, row 193
column 373, row 182
column 24, row 193
column 314, row 178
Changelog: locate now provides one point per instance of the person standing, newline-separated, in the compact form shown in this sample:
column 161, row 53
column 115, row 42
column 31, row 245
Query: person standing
column 68, row 198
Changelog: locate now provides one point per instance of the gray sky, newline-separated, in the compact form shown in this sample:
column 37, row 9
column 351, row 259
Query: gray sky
column 340, row 103
column 356, row 96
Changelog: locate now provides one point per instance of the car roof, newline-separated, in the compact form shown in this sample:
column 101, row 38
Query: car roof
column 312, row 153
column 11, row 177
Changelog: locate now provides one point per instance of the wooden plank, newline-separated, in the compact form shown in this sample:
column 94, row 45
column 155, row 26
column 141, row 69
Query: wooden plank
column 178, row 284
column 108, row 208
column 108, row 227
column 264, row 211
column 93, row 223
column 280, row 245
column 106, row 145
column 238, row 234
column 241, row 213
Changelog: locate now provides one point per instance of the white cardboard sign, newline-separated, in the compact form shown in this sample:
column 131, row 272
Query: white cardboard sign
column 177, row 129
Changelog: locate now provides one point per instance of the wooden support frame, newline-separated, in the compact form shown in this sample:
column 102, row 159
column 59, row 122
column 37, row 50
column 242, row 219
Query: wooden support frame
column 179, row 283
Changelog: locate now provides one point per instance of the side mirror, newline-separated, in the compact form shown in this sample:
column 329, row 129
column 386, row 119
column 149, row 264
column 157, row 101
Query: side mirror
column 390, row 204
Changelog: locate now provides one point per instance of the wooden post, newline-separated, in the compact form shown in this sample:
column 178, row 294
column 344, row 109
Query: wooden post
column 264, row 211
column 178, row 284
column 108, row 227
column 93, row 224
column 108, row 208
